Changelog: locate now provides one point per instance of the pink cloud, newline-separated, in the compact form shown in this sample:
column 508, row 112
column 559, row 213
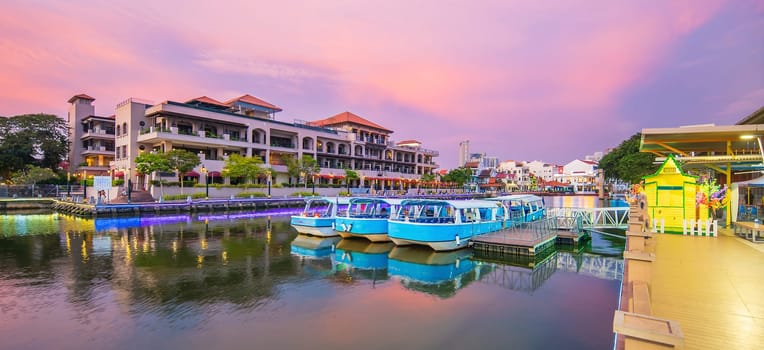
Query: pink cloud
column 512, row 65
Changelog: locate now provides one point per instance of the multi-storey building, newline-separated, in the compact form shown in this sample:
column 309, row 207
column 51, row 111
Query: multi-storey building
column 544, row 171
column 91, row 147
column 581, row 174
column 247, row 126
column 519, row 173
column 464, row 152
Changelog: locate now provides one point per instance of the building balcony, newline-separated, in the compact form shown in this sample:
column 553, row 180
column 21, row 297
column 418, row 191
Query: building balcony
column 97, row 134
column 98, row 150
column 94, row 169
column 200, row 138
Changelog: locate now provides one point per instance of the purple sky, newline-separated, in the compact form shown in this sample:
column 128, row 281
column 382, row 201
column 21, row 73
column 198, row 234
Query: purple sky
column 523, row 80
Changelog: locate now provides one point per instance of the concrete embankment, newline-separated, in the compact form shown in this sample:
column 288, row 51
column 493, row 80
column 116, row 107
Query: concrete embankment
column 81, row 209
column 636, row 324
column 26, row 204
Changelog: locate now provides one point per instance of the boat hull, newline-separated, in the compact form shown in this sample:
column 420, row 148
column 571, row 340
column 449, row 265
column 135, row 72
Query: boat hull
column 315, row 226
column 374, row 229
column 439, row 237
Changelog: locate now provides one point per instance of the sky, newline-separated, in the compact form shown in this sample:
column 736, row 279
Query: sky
column 550, row 80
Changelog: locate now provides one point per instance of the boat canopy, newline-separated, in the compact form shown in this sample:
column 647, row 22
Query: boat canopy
column 332, row 200
column 517, row 197
column 365, row 200
column 458, row 204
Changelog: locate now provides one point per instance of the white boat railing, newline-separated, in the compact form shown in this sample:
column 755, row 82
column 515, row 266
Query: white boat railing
column 527, row 279
column 590, row 218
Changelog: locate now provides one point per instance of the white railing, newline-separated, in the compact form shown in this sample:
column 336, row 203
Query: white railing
column 585, row 218
column 602, row 267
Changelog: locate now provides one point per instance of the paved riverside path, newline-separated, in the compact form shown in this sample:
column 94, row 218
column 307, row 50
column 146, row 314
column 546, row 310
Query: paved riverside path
column 714, row 287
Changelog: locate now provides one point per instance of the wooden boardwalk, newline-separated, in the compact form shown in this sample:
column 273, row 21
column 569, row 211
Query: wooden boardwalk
column 571, row 238
column 713, row 287
column 516, row 241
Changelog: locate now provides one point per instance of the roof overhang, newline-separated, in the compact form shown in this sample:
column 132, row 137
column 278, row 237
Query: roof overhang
column 706, row 145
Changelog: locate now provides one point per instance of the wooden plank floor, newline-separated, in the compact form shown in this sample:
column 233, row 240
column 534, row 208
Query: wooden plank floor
column 516, row 237
column 714, row 287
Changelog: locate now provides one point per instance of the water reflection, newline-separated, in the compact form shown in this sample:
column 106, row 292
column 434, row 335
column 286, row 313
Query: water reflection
column 161, row 282
column 313, row 247
column 362, row 259
column 438, row 273
column 519, row 273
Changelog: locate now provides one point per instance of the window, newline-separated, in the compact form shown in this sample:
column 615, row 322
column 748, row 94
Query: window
column 124, row 128
column 118, row 128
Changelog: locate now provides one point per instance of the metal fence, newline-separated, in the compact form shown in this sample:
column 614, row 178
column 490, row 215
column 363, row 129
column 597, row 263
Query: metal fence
column 35, row 191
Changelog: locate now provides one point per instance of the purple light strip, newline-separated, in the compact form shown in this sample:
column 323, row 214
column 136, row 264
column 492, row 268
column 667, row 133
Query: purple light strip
column 259, row 214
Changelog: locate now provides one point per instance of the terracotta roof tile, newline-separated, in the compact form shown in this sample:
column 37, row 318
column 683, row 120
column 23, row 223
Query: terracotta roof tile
column 347, row 117
column 471, row 165
column 82, row 96
column 252, row 100
column 208, row 100
column 408, row 142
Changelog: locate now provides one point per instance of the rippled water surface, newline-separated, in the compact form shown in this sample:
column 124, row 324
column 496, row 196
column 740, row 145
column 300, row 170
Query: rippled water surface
column 249, row 281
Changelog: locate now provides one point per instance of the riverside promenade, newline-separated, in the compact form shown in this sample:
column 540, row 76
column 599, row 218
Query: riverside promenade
column 713, row 287
column 693, row 292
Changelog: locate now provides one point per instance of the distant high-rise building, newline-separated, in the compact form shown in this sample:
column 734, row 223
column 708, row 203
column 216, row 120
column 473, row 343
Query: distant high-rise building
column 596, row 157
column 464, row 152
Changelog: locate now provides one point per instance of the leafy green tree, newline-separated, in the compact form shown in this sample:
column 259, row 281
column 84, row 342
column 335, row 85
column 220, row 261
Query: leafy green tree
column 350, row 175
column 249, row 168
column 147, row 163
column 459, row 175
column 182, row 161
column 31, row 175
column 309, row 167
column 292, row 165
column 32, row 139
column 626, row 163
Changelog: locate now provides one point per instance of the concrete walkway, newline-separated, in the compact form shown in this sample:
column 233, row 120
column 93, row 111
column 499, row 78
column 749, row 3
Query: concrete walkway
column 714, row 288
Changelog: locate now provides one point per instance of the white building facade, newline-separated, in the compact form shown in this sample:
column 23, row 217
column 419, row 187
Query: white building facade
column 581, row 174
column 247, row 126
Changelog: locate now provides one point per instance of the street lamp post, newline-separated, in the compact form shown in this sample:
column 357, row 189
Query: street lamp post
column 313, row 182
column 84, row 184
column 68, row 184
column 206, row 182
column 129, row 187
column 270, row 179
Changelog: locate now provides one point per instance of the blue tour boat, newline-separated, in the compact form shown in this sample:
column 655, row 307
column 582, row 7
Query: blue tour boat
column 523, row 207
column 317, row 218
column 367, row 217
column 444, row 224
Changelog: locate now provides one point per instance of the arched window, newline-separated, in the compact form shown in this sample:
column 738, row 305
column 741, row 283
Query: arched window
column 341, row 148
column 307, row 143
column 118, row 128
column 124, row 128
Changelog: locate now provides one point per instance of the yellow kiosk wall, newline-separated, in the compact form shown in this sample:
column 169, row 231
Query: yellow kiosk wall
column 671, row 196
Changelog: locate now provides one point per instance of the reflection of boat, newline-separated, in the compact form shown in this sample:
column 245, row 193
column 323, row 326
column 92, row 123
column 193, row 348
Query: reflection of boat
column 367, row 217
column 444, row 224
column 438, row 273
column 318, row 216
column 523, row 207
column 313, row 247
column 362, row 254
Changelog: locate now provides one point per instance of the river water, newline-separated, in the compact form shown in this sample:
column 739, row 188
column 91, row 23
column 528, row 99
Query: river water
column 247, row 280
